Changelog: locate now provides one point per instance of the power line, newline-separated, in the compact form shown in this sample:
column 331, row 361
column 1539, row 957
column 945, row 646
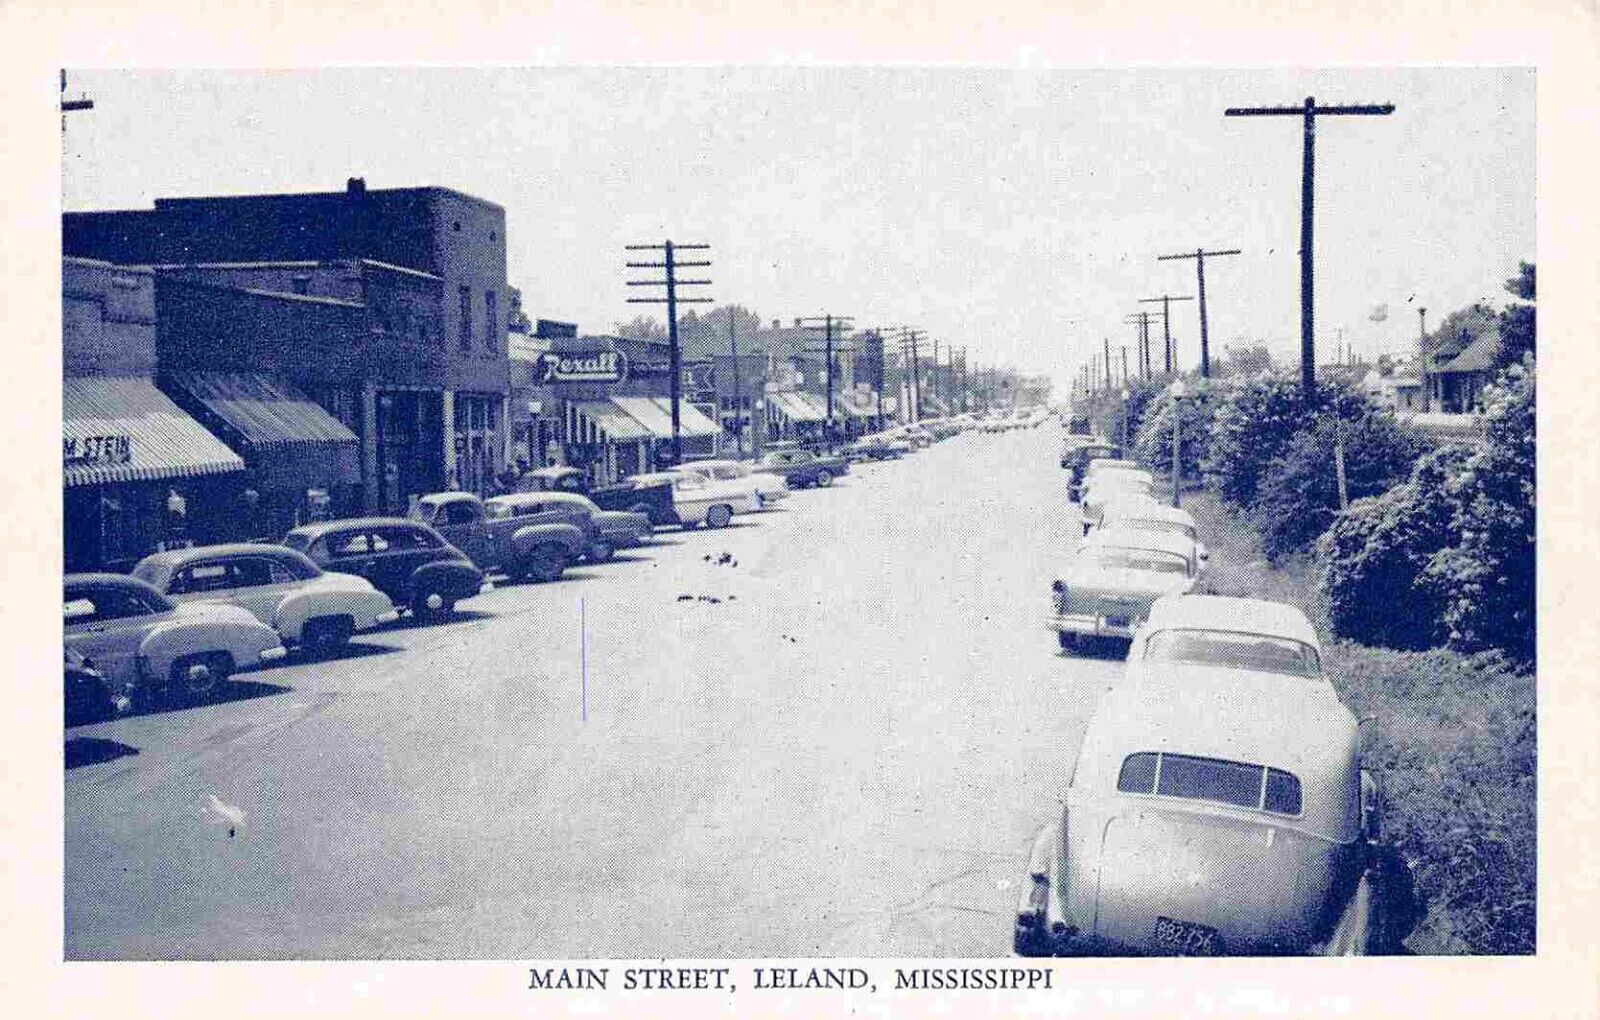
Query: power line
column 827, row 324
column 1199, row 255
column 670, row 266
column 1166, row 324
column 1309, row 111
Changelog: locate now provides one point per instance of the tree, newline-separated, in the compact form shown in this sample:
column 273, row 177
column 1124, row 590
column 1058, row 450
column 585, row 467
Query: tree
column 642, row 327
column 1247, row 359
column 1460, row 328
column 1522, row 286
column 1518, row 323
column 1154, row 444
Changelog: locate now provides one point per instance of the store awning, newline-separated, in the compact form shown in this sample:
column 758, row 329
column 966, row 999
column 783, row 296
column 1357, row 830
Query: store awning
column 856, row 406
column 123, row 429
column 617, row 424
column 655, row 414
column 796, row 407
column 290, row 440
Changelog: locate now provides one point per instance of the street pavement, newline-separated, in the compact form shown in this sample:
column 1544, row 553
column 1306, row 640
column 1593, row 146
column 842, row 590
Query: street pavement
column 831, row 729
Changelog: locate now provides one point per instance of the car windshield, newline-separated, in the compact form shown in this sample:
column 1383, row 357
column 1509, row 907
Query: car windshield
column 1145, row 524
column 299, row 541
column 424, row 511
column 1258, row 653
column 1138, row 559
column 1212, row 779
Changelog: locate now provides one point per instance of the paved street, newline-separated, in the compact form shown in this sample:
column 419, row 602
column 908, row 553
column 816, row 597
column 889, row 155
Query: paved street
column 847, row 754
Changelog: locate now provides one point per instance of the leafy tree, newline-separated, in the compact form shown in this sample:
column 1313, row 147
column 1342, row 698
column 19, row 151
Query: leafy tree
column 642, row 328
column 1486, row 578
column 1299, row 495
column 1460, row 328
column 1371, row 561
column 1522, row 286
column 1248, row 359
column 1154, row 444
column 1518, row 322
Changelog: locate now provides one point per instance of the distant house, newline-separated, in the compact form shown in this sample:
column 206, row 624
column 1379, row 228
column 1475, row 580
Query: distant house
column 1400, row 389
column 1456, row 375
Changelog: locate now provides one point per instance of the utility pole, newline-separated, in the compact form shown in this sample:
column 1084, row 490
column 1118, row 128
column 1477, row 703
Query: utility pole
column 1124, row 366
column 828, row 322
column 78, row 105
column 1166, row 324
column 916, row 377
column 669, row 267
column 1107, row 363
column 738, row 401
column 1199, row 255
column 1309, row 111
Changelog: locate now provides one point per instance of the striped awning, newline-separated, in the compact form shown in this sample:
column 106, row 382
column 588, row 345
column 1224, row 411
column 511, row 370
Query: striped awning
column 117, row 429
column 266, row 413
column 796, row 407
column 655, row 414
column 855, row 406
column 617, row 424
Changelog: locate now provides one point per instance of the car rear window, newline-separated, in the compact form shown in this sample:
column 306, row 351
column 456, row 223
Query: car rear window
column 1258, row 653
column 1218, row 780
column 1139, row 559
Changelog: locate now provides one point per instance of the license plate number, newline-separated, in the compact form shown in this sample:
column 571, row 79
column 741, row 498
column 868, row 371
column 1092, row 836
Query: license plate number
column 1183, row 938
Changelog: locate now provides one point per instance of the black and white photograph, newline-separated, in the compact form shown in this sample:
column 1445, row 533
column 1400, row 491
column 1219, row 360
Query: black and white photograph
column 859, row 529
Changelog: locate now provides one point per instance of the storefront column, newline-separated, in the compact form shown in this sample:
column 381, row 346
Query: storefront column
column 371, row 483
column 448, row 416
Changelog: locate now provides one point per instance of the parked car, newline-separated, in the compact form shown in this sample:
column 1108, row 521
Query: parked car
column 801, row 468
column 1143, row 513
column 651, row 499
column 148, row 648
column 696, row 501
column 605, row 531
column 1219, row 815
column 877, row 447
column 762, row 488
column 535, row 546
column 316, row 610
column 86, row 695
column 1111, row 487
column 1108, row 588
column 1212, row 634
column 406, row 560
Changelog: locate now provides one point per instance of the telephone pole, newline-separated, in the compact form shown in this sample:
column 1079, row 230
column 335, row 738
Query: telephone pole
column 1199, row 255
column 669, row 267
column 1166, row 324
column 738, row 400
column 1308, row 112
column 78, row 105
column 826, row 323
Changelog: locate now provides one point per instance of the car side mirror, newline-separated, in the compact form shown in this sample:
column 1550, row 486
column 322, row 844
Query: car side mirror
column 1372, row 806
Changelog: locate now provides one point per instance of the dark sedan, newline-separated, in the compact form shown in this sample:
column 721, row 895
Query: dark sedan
column 406, row 560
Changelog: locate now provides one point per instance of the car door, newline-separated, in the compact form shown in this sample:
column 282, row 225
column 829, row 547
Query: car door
column 107, row 624
column 465, row 527
column 397, row 552
column 350, row 552
column 261, row 584
column 207, row 580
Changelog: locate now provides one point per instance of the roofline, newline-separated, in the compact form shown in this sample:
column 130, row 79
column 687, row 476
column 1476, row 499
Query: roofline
column 79, row 260
column 423, row 189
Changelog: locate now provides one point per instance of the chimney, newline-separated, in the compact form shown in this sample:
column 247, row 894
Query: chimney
column 356, row 187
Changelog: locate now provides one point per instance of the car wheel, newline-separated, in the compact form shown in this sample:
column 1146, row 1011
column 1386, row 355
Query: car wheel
column 824, row 478
column 547, row 563
column 197, row 677
column 601, row 551
column 718, row 516
column 324, row 635
column 431, row 604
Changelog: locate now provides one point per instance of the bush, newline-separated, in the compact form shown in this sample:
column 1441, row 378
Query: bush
column 1153, row 443
column 1298, row 494
column 1486, row 578
column 1370, row 563
column 1255, row 420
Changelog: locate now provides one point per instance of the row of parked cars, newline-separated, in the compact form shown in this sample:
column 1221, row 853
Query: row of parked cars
column 185, row 621
column 1217, row 804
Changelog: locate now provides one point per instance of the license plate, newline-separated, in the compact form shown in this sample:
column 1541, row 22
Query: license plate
column 1184, row 938
column 1118, row 621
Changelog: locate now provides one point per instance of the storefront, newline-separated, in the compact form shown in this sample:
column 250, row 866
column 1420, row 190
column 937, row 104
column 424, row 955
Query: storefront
column 477, row 437
column 139, row 474
column 795, row 416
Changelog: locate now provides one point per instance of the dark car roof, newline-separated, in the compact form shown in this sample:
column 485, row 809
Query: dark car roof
column 321, row 528
column 106, row 579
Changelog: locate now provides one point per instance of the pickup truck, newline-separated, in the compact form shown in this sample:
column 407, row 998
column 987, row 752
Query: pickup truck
column 520, row 547
column 653, row 499
column 802, row 467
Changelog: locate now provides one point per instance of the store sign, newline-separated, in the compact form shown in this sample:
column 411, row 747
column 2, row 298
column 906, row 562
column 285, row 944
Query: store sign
column 700, row 382
column 96, row 450
column 589, row 367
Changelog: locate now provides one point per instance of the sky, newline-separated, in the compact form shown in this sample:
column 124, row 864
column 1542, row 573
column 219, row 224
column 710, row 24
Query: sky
column 1014, row 212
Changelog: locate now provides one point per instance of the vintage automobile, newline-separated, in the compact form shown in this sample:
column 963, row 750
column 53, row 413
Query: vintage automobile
column 520, row 547
column 147, row 648
column 1109, row 586
column 1077, row 450
column 801, row 468
column 605, row 531
column 1216, row 815
column 406, row 560
column 655, row 501
column 762, row 488
column 1110, row 487
column 282, row 588
column 695, row 501
column 86, row 695
column 878, row 446
column 1140, row 512
column 1186, row 635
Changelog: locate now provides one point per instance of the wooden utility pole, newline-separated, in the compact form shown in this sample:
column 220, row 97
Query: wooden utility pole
column 828, row 322
column 78, row 105
column 1308, row 112
column 738, row 401
column 1107, row 362
column 669, row 267
column 1166, row 324
column 1199, row 255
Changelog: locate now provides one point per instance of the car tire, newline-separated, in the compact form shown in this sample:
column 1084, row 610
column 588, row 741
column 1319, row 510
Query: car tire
column 824, row 478
column 429, row 603
column 719, row 516
column 601, row 551
column 322, row 636
column 546, row 563
column 196, row 678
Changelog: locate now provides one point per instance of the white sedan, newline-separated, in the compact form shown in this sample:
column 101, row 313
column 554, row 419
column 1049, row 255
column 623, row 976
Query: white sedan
column 763, row 488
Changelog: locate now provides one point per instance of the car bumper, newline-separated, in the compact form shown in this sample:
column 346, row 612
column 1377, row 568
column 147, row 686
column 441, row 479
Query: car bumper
column 1091, row 625
column 273, row 654
column 386, row 617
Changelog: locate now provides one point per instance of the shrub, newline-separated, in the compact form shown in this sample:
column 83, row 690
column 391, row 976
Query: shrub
column 1298, row 495
column 1486, row 578
column 1255, row 420
column 1370, row 562
column 1153, row 444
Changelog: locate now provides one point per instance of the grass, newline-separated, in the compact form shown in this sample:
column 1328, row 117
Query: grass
column 1454, row 738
